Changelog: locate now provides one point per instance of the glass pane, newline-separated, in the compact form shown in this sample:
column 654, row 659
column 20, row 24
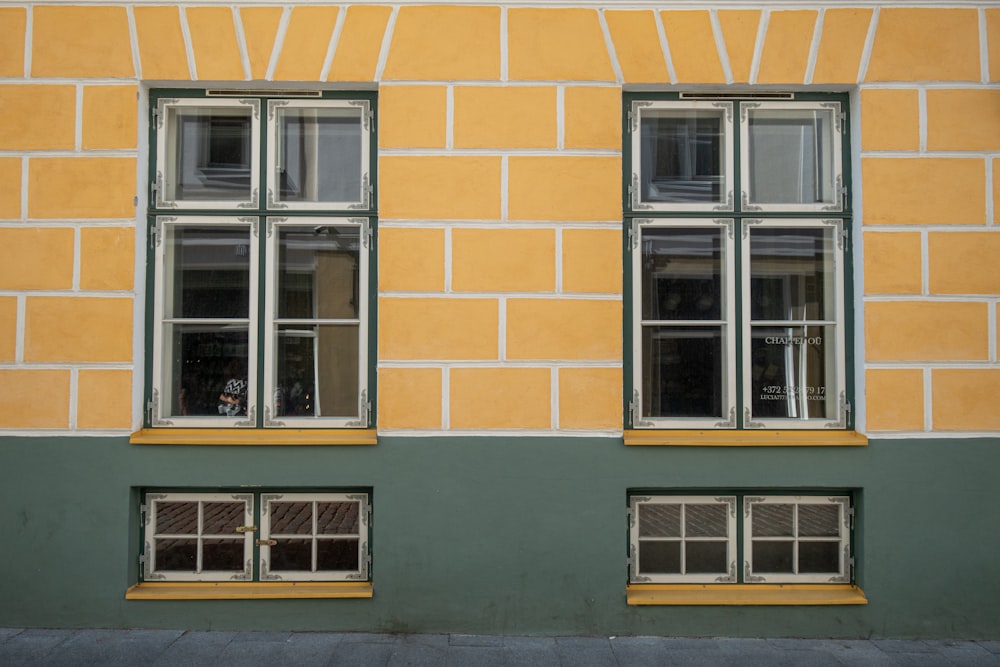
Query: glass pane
column 222, row 555
column 319, row 155
column 337, row 518
column 791, row 156
column 792, row 274
column 793, row 372
column 772, row 557
column 819, row 521
column 705, row 557
column 772, row 520
column 317, row 371
column 208, row 271
column 706, row 520
column 660, row 557
column 682, row 274
column 291, row 518
column 819, row 557
column 208, row 369
column 177, row 555
column 222, row 518
column 337, row 555
column 681, row 156
column 176, row 518
column 318, row 272
column 683, row 372
column 659, row 520
column 291, row 555
column 210, row 156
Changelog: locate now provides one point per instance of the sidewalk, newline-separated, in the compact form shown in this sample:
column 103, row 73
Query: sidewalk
column 221, row 649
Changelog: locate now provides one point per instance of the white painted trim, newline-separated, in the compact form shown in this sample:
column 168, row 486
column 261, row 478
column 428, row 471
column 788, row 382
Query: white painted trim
column 188, row 46
column 338, row 28
column 241, row 42
column 814, row 46
column 866, row 51
column 493, row 152
column 133, row 33
column 758, row 48
column 383, row 54
column 661, row 32
column 609, row 44
column 279, row 42
column 720, row 46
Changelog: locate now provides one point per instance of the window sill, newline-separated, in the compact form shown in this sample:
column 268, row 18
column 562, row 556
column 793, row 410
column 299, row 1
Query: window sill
column 744, row 438
column 159, row 590
column 744, row 594
column 245, row 436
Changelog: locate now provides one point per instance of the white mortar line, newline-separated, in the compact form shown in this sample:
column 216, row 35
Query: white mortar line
column 922, row 117
column 74, row 381
column 664, row 46
column 992, row 329
column 554, row 399
column 447, row 260
column 504, row 183
column 610, row 46
column 925, row 263
column 134, row 41
column 241, row 42
column 19, row 329
column 24, row 188
column 502, row 329
column 445, row 398
column 720, row 45
column 383, row 54
column 559, row 261
column 758, row 47
column 990, row 193
column 77, row 258
column 814, row 47
column 560, row 117
column 78, row 119
column 29, row 29
column 188, row 46
column 338, row 28
column 504, row 51
column 279, row 43
column 866, row 52
column 984, row 57
column 928, row 401
column 449, row 117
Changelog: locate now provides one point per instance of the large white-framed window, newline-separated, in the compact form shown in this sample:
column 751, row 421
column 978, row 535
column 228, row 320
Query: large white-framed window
column 261, row 309
column 737, row 313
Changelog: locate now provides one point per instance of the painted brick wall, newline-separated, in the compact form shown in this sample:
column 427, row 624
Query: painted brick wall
column 500, row 193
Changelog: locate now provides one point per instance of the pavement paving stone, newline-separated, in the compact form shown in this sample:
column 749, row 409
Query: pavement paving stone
column 418, row 655
column 528, row 655
column 360, row 654
column 990, row 645
column 194, row 648
column 475, row 640
column 368, row 637
column 640, row 651
column 477, row 656
column 7, row 633
column 585, row 651
column 110, row 647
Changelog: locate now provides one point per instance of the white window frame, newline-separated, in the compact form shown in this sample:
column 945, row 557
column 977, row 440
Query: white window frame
column 843, row 503
column 267, row 536
column 637, row 575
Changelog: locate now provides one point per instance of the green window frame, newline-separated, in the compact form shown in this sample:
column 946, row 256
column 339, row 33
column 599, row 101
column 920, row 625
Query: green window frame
column 737, row 256
column 261, row 271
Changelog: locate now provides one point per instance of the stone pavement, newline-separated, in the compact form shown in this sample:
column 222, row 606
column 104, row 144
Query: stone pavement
column 20, row 646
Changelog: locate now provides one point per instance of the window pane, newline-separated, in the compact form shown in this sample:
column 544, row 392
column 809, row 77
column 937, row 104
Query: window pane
column 706, row 520
column 319, row 155
column 772, row 557
column 177, row 555
column 337, row 555
column 682, row 274
column 337, row 518
column 209, row 369
column 318, row 272
column 819, row 557
column 683, row 371
column 659, row 520
column 705, row 557
column 793, row 369
column 772, row 520
column 660, row 557
column 176, row 518
column 219, row 554
column 210, row 156
column 291, row 518
column 291, row 555
column 819, row 521
column 208, row 270
column 317, row 371
column 792, row 274
column 222, row 518
column 791, row 156
column 681, row 155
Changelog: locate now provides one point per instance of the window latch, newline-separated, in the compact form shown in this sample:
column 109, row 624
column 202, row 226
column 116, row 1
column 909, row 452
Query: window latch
column 266, row 543
column 246, row 529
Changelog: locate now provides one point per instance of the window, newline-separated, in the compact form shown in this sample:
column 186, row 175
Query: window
column 737, row 220
column 261, row 308
column 255, row 537
column 777, row 539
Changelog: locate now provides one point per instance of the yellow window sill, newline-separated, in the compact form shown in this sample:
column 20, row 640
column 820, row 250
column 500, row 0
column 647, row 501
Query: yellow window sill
column 745, row 594
column 247, row 436
column 202, row 590
column 744, row 438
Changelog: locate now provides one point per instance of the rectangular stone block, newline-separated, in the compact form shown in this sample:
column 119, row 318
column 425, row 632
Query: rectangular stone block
column 445, row 43
column 925, row 44
column 841, row 45
column 895, row 399
column 412, row 116
column 8, row 328
column 10, row 188
column 37, row 117
column 36, row 258
column 993, row 42
column 503, row 260
column 500, row 398
column 12, row 25
column 965, row 399
column 557, row 329
column 893, row 262
column 110, row 116
column 360, row 43
column 739, row 29
column 590, row 398
column 964, row 262
column 438, row 329
column 592, row 260
column 411, row 260
column 67, row 188
column 92, row 41
column 409, row 398
column 926, row 331
column 162, row 53
column 307, row 39
column 213, row 42
column 34, row 398
column 104, row 399
column 637, row 45
column 439, row 188
column 107, row 258
column 260, row 29
column 564, row 44
column 693, row 50
column 507, row 117
column 890, row 120
column 963, row 120
column 584, row 189
column 592, row 117
column 78, row 329
column 786, row 47
column 924, row 191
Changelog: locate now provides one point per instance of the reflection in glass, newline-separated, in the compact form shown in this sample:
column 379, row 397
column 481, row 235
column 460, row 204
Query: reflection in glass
column 318, row 272
column 773, row 520
column 209, row 369
column 682, row 273
column 210, row 158
column 791, row 372
column 319, row 155
column 291, row 518
column 177, row 555
column 681, row 156
column 176, row 518
column 791, row 156
column 317, row 371
column 819, row 557
column 219, row 554
column 660, row 557
column 773, row 557
column 208, row 271
column 339, row 518
column 337, row 555
column 292, row 555
column 705, row 557
column 659, row 520
column 819, row 520
column 792, row 274
column 222, row 518
column 706, row 520
column 683, row 373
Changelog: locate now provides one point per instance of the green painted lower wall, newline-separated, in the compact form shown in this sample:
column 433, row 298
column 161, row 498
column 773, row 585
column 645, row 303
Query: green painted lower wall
column 506, row 535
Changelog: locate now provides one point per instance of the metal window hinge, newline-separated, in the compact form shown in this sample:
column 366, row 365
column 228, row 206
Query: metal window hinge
column 848, row 423
column 366, row 230
column 142, row 560
column 154, row 189
column 850, row 517
column 150, row 404
column 156, row 115
column 633, row 231
column 366, row 409
column 851, row 567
